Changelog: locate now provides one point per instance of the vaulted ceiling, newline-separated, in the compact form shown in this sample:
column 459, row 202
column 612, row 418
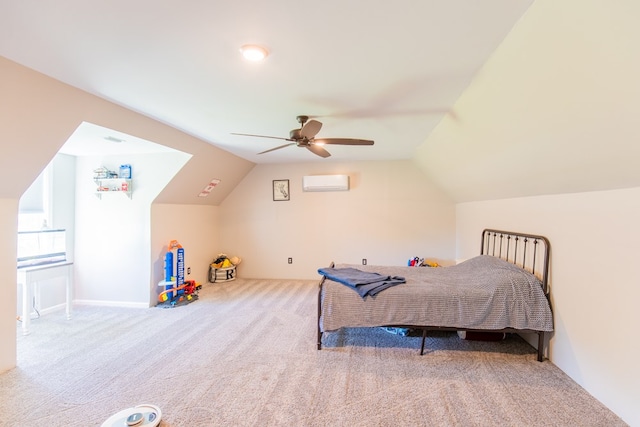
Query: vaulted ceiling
column 377, row 70
column 493, row 99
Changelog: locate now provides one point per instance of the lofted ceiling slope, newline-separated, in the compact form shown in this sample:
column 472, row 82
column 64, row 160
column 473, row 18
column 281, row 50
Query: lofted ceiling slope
column 493, row 99
column 378, row 70
column 553, row 111
column 38, row 114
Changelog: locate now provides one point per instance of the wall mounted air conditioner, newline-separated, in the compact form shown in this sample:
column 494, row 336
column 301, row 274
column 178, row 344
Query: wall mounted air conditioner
column 325, row 183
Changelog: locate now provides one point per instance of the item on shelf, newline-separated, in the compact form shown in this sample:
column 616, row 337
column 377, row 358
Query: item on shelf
column 125, row 171
column 108, row 181
column 101, row 173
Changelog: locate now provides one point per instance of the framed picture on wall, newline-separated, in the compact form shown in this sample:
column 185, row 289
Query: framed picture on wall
column 281, row 189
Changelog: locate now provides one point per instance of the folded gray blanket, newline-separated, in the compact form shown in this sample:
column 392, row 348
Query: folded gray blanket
column 364, row 283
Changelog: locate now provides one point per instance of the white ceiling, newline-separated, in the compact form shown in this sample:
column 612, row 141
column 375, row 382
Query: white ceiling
column 90, row 139
column 381, row 70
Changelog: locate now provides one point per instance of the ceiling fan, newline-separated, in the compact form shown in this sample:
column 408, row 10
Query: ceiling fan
column 305, row 137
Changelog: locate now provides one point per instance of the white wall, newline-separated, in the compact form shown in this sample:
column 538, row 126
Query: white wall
column 196, row 228
column 595, row 282
column 391, row 213
column 9, row 239
column 112, row 261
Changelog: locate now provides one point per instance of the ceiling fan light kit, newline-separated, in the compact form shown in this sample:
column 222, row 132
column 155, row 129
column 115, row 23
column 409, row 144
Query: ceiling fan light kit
column 306, row 137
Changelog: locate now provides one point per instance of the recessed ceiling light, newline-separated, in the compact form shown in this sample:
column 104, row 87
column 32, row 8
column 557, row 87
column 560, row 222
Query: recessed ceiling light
column 252, row 52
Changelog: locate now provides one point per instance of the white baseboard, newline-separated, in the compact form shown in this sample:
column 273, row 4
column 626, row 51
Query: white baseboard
column 52, row 309
column 99, row 303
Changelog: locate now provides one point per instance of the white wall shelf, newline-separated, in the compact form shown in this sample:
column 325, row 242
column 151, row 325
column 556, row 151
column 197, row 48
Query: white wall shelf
column 113, row 185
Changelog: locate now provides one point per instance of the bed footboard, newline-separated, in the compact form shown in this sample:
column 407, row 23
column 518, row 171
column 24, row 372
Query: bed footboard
column 319, row 311
column 320, row 308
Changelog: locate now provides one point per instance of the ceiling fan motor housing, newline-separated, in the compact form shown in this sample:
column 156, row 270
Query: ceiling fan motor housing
column 294, row 134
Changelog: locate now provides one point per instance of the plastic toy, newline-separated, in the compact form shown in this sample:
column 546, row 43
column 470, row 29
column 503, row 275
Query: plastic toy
column 415, row 262
column 184, row 294
column 190, row 287
column 223, row 261
column 173, row 271
column 177, row 290
column 174, row 245
column 421, row 262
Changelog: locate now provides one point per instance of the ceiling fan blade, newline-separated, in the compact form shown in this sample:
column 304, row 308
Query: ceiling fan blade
column 277, row 148
column 261, row 136
column 310, row 129
column 318, row 150
column 343, row 141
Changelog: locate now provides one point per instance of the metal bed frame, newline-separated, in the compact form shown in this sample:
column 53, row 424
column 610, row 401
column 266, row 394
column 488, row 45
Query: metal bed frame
column 528, row 251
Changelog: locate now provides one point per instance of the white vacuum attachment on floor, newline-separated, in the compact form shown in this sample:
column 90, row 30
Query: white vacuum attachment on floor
column 138, row 416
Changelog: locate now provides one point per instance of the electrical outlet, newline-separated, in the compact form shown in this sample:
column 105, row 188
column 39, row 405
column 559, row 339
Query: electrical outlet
column 188, row 270
column 290, row 260
column 364, row 261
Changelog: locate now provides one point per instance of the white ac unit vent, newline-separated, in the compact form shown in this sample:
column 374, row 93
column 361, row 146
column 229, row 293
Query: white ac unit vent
column 325, row 183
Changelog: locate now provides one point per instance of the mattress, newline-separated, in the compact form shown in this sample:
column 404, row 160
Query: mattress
column 484, row 293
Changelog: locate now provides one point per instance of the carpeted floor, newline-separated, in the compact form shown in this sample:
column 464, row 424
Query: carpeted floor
column 245, row 354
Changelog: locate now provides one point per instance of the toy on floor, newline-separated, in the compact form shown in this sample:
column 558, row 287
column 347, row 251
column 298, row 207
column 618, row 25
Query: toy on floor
column 141, row 415
column 177, row 290
column 171, row 267
column 174, row 245
column 224, row 261
column 184, row 294
column 421, row 262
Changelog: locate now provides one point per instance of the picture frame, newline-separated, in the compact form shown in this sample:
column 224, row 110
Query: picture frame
column 281, row 190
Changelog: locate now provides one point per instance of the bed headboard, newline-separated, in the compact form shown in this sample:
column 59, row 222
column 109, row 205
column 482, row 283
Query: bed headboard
column 529, row 251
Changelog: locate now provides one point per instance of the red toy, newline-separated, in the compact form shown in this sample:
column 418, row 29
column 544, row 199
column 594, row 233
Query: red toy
column 183, row 294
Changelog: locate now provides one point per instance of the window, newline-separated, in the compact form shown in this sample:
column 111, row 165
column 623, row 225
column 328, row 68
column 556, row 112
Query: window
column 37, row 243
column 41, row 247
column 34, row 209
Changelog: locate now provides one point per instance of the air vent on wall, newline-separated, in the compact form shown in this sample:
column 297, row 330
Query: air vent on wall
column 325, row 183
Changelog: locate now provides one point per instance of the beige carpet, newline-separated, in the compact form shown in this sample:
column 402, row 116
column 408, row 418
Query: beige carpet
column 245, row 354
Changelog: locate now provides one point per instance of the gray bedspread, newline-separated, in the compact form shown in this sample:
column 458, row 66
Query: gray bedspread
column 481, row 293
